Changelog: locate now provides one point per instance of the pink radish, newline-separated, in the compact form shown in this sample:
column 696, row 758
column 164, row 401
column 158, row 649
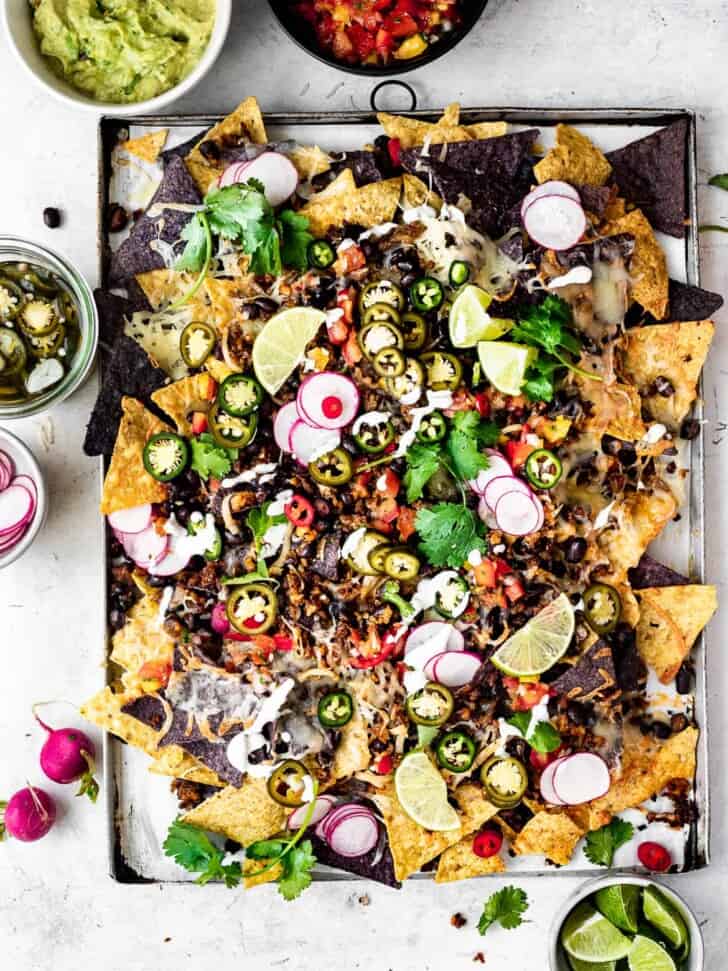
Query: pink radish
column 553, row 188
column 172, row 562
column 517, row 514
column 547, row 783
column 354, row 835
column 232, row 174
column 219, row 620
column 68, row 756
column 498, row 465
column 27, row 483
column 324, row 805
column 29, row 814
column 501, row 485
column 285, row 419
column 132, row 520
column 486, row 514
column 309, row 443
column 277, row 173
column 580, row 778
column 17, row 506
column 453, row 668
column 555, row 222
column 148, row 547
column 328, row 400
column 438, row 632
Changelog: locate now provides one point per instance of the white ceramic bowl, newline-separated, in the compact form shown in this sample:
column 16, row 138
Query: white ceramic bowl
column 25, row 464
column 18, row 26
column 557, row 958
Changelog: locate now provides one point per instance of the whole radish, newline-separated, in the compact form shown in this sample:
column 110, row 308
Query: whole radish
column 67, row 756
column 28, row 815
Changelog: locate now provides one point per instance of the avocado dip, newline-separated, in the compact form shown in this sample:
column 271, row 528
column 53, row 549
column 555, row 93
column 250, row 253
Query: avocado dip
column 123, row 51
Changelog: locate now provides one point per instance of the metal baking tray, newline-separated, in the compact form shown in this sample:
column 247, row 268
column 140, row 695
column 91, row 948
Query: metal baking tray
column 138, row 805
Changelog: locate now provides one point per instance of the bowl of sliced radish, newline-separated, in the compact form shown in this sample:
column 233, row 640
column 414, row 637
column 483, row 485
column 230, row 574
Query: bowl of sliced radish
column 23, row 504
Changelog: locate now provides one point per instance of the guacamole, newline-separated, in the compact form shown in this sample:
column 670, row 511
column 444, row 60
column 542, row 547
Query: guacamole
column 123, row 51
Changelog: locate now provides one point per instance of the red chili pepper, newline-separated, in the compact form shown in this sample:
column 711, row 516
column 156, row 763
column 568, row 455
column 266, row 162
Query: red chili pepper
column 513, row 588
column 199, row 422
column 345, row 301
column 299, row 511
column 526, row 694
column 518, row 452
column 482, row 403
column 389, row 644
column 540, row 760
column 488, row 842
column 388, row 484
column 654, row 856
column 394, row 147
column 385, row 765
column 283, row 642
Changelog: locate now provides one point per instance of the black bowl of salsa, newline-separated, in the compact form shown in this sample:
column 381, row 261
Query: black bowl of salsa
column 379, row 38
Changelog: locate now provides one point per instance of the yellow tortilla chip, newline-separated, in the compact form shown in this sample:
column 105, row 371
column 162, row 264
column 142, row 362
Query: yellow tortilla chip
column 174, row 762
column 458, row 862
column 147, row 147
column 245, row 815
column 648, row 266
column 647, row 767
column 640, row 518
column 251, row 867
column 673, row 351
column 487, row 129
column 143, row 638
column 374, row 203
column 670, row 622
column 352, row 754
column 246, row 122
column 412, row 132
column 617, row 409
column 411, row 845
column 127, row 483
column 310, row 160
column 218, row 369
column 341, row 202
column 574, row 159
column 162, row 287
column 181, row 398
column 226, row 298
column 552, row 834
column 415, row 193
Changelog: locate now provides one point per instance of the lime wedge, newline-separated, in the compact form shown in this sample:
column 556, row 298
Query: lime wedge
column 470, row 321
column 620, row 903
column 588, row 936
column 540, row 643
column 505, row 364
column 280, row 347
column 576, row 965
column 664, row 916
column 422, row 793
column 648, row 955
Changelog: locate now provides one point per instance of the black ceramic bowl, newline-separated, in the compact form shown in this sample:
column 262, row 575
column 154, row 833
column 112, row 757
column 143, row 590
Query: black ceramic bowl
column 303, row 35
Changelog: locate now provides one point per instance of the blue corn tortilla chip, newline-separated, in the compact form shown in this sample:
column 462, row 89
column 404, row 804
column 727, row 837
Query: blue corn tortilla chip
column 128, row 372
column 686, row 302
column 650, row 173
column 480, row 156
column 595, row 198
column 593, row 676
column 366, row 167
column 651, row 573
column 112, row 309
column 183, row 149
column 376, row 865
column 135, row 255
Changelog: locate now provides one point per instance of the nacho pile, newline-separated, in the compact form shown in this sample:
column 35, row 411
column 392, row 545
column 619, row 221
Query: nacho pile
column 383, row 470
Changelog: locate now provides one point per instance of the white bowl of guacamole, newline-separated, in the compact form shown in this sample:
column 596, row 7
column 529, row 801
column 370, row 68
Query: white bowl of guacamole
column 117, row 56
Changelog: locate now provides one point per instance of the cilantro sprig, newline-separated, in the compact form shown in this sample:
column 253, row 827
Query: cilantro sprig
column 547, row 327
column 505, row 907
column 193, row 849
column 541, row 735
column 296, row 863
column 210, row 459
column 601, row 844
column 259, row 521
column 449, row 531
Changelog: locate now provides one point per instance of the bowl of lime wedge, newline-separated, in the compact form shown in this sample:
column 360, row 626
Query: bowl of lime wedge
column 626, row 923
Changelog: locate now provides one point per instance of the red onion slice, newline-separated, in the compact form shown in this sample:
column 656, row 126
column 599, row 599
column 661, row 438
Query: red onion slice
column 580, row 778
column 354, row 836
column 497, row 465
column 285, row 419
column 172, row 562
column 323, row 806
column 17, row 506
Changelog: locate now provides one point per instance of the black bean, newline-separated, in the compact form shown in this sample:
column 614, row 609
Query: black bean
column 382, row 141
column 690, row 429
column 627, row 454
column 517, row 748
column 265, row 304
column 118, row 218
column 624, row 636
column 661, row 730
column 52, row 217
column 684, row 680
column 575, row 549
column 117, row 619
column 678, row 723
column 611, row 445
column 663, row 386
column 210, row 150
column 576, row 713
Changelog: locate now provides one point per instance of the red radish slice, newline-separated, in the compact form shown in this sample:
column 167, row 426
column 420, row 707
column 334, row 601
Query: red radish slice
column 501, row 485
column 148, row 547
column 555, row 222
column 516, row 514
column 322, row 807
column 131, row 520
column 539, row 509
column 486, row 514
column 309, row 443
column 172, row 563
column 232, row 174
column 547, row 783
column 354, row 836
column 553, row 188
column 277, row 173
column 285, row 419
column 437, row 631
column 453, row 668
column 17, row 506
column 328, row 400
column 28, row 483
column 498, row 465
column 580, row 778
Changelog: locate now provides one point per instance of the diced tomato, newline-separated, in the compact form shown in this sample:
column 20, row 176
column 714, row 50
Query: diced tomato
column 388, row 483
column 385, row 765
column 351, row 350
column 518, row 452
column 540, row 760
column 485, row 575
column 394, row 147
column 207, row 387
column 482, row 403
column 526, row 694
column 283, row 642
column 338, row 331
column 350, row 259
column 513, row 588
column 400, row 23
column 384, row 43
column 376, row 649
column 345, row 302
column 406, row 522
column 199, row 422
column 155, row 674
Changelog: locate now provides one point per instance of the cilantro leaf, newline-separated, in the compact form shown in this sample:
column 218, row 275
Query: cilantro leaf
column 194, row 253
column 297, row 865
column 720, row 181
column 295, row 239
column 545, row 326
column 520, row 720
column 541, row 379
column 505, row 907
column 241, row 213
column 192, row 849
column 259, row 522
column 467, row 436
column 210, row 459
column 601, row 844
column 541, row 736
column 449, row 532
column 266, row 258
column 265, row 849
column 422, row 463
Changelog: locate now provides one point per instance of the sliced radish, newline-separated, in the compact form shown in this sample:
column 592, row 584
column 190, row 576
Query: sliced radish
column 172, row 562
column 516, row 514
column 29, row 484
column 486, row 514
column 146, row 548
column 498, row 466
column 285, row 419
column 328, row 400
column 323, row 806
column 17, row 506
column 308, row 443
column 132, row 520
column 547, row 783
column 11, row 539
column 355, row 835
column 553, row 188
column 232, row 174
column 453, row 668
column 437, row 632
column 555, row 222
column 501, row 485
column 580, row 778
column 277, row 173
